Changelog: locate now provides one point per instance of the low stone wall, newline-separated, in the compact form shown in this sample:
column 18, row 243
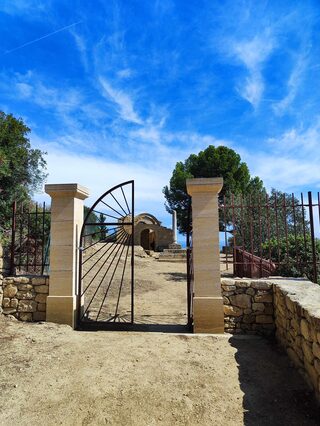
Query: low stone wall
column 297, row 320
column 290, row 307
column 248, row 306
column 25, row 297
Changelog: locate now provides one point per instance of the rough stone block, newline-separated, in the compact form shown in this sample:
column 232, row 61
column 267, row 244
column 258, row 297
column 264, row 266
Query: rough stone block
column 307, row 351
column 304, row 328
column 228, row 287
column 232, row 311
column 316, row 350
column 258, row 306
column 24, row 287
column 6, row 302
column 264, row 319
column 25, row 295
column 249, row 319
column 39, row 281
column 41, row 298
column 241, row 300
column 39, row 316
column 250, row 291
column 261, row 285
column 14, row 303
column 42, row 307
column 266, row 297
column 27, row 306
column 10, row 291
column 42, row 289
column 242, row 284
column 21, row 280
column 9, row 311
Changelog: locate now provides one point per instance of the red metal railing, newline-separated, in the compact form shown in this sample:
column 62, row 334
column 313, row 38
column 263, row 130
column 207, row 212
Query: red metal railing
column 277, row 234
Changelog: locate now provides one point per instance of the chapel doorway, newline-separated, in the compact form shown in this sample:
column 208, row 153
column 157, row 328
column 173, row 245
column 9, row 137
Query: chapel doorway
column 147, row 239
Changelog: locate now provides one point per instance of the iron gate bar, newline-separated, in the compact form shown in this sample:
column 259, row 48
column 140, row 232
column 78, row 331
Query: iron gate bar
column 115, row 247
column 90, row 245
column 97, row 242
column 101, row 281
column 119, row 204
column 120, row 214
column 122, row 277
column 111, row 278
column 122, row 240
column 125, row 200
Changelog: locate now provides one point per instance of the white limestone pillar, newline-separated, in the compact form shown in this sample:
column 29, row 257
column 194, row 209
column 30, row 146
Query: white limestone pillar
column 66, row 222
column 207, row 302
column 174, row 226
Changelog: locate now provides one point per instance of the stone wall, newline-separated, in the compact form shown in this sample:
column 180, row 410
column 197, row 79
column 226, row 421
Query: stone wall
column 297, row 320
column 25, row 297
column 248, row 306
column 290, row 307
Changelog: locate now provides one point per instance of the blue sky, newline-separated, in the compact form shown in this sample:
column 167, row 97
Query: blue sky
column 115, row 90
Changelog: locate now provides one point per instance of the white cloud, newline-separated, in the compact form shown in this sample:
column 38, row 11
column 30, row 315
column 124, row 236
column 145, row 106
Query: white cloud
column 122, row 100
column 125, row 73
column 292, row 85
column 291, row 162
column 253, row 54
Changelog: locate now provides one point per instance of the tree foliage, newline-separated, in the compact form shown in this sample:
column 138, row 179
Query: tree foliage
column 294, row 256
column 212, row 162
column 22, row 168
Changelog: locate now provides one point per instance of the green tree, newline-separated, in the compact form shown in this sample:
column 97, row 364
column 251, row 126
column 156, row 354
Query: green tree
column 212, row 162
column 22, row 168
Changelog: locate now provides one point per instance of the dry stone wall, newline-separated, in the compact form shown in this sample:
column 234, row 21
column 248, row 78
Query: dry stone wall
column 248, row 306
column 288, row 307
column 25, row 297
column 297, row 320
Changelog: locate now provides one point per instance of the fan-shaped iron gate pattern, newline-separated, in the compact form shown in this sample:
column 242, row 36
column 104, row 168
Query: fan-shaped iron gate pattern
column 106, row 269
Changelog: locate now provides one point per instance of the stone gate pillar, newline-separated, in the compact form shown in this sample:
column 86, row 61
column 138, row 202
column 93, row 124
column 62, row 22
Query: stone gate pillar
column 207, row 302
column 66, row 222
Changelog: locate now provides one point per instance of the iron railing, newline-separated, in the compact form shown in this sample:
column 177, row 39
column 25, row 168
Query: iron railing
column 277, row 234
column 30, row 239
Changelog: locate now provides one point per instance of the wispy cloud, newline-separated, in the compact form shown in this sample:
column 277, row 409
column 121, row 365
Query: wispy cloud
column 123, row 101
column 253, row 54
column 291, row 161
column 293, row 84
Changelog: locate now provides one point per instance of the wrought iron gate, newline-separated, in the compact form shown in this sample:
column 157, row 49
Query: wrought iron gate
column 189, row 267
column 106, row 261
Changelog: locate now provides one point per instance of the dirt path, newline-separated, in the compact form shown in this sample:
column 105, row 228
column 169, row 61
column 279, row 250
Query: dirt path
column 51, row 375
column 160, row 288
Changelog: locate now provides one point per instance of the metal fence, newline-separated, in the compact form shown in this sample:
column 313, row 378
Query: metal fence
column 277, row 234
column 30, row 239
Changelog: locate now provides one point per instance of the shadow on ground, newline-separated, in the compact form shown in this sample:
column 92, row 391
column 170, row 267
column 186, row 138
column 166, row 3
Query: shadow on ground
column 175, row 276
column 274, row 392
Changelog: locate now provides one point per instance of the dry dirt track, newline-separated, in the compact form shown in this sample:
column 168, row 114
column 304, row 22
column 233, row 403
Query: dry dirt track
column 160, row 294
column 52, row 375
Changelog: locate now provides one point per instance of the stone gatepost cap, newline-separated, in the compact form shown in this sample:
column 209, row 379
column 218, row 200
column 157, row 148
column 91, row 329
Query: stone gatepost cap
column 67, row 190
column 195, row 185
